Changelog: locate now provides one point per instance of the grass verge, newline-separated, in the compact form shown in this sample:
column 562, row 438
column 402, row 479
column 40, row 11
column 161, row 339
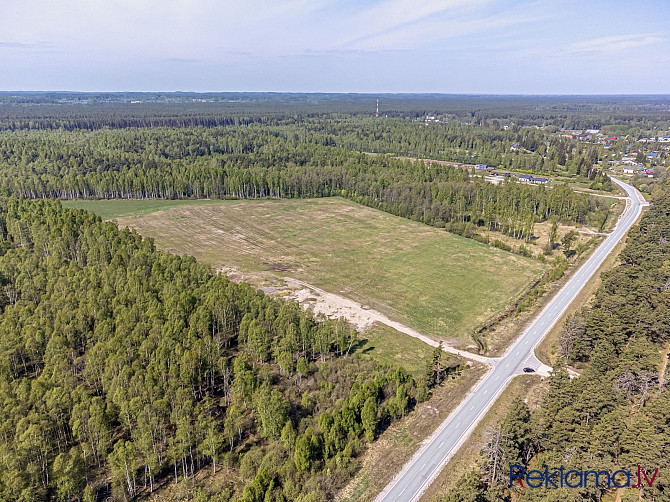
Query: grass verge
column 386, row 456
column 388, row 346
column 468, row 457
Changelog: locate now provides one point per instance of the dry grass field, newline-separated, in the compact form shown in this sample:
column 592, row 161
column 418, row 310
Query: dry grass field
column 438, row 283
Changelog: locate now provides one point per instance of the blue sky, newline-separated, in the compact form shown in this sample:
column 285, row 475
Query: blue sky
column 449, row 46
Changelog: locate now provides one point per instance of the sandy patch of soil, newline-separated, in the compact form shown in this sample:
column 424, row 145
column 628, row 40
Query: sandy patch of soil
column 331, row 305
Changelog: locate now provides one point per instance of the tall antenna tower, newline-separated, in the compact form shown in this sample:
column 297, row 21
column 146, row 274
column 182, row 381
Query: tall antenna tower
column 377, row 114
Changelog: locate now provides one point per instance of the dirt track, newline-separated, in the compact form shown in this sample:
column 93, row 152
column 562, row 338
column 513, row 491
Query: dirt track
column 362, row 317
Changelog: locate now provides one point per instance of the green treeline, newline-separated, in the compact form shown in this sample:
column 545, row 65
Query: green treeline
column 254, row 162
column 616, row 415
column 517, row 148
column 122, row 363
column 70, row 110
column 534, row 149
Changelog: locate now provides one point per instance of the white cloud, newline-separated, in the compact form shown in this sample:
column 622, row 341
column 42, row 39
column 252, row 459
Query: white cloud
column 284, row 43
column 24, row 45
column 615, row 43
column 427, row 32
column 230, row 30
column 390, row 15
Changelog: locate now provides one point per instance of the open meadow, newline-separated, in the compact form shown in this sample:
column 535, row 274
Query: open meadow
column 438, row 283
column 117, row 208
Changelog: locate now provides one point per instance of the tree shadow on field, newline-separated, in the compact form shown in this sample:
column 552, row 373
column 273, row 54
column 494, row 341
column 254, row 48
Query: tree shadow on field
column 363, row 346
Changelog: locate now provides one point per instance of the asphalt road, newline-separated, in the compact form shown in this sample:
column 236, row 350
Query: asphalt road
column 415, row 477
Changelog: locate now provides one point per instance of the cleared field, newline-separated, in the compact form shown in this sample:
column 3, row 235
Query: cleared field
column 438, row 283
column 116, row 208
column 388, row 346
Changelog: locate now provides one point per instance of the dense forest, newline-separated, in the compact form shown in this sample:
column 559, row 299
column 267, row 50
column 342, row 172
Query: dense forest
column 261, row 161
column 616, row 415
column 238, row 145
column 124, row 369
column 71, row 110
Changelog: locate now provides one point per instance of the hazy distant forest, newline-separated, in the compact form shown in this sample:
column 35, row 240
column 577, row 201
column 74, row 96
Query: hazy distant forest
column 271, row 148
column 124, row 369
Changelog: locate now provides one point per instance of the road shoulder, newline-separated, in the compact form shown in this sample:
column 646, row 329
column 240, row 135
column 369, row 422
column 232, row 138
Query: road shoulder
column 393, row 449
column 530, row 388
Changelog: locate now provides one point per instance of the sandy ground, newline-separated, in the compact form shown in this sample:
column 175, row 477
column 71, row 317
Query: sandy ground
column 362, row 317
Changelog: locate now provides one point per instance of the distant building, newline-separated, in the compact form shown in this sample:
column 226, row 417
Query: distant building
column 652, row 155
column 527, row 178
column 481, row 166
column 593, row 131
column 629, row 170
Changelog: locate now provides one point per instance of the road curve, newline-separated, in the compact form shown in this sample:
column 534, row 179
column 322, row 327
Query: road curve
column 415, row 477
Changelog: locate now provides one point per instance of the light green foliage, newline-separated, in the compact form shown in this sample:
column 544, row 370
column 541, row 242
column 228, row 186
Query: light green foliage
column 122, row 361
column 271, row 408
column 369, row 417
column 568, row 240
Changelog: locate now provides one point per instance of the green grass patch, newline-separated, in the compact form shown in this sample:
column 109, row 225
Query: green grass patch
column 388, row 346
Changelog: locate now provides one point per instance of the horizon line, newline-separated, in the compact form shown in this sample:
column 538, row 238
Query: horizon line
column 360, row 93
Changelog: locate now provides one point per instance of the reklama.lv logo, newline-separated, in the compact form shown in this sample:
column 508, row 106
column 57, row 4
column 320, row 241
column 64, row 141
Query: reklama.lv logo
column 578, row 479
